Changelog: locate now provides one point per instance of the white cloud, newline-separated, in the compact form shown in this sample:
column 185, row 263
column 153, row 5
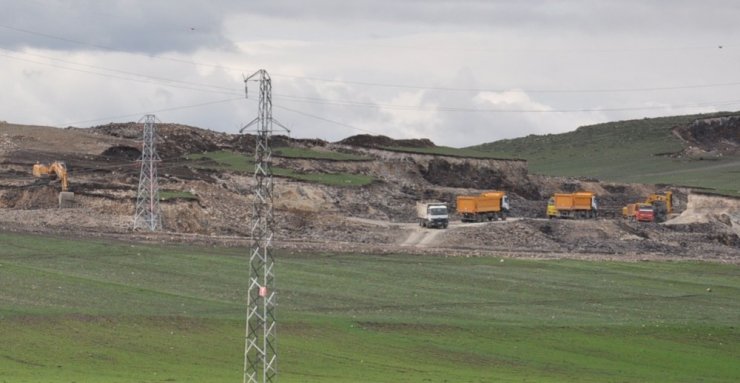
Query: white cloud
column 516, row 99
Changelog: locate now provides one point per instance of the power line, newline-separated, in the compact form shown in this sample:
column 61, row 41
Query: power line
column 108, row 75
column 203, row 87
column 350, row 103
column 112, row 49
column 157, row 111
column 324, row 119
column 408, row 86
column 345, row 102
column 525, row 90
column 168, row 80
column 437, row 108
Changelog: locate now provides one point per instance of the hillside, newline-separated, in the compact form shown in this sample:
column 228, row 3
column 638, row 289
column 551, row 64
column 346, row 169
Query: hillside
column 695, row 150
column 358, row 194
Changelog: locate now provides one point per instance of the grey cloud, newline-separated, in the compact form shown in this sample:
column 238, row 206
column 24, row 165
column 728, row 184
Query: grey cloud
column 606, row 16
column 187, row 25
column 129, row 26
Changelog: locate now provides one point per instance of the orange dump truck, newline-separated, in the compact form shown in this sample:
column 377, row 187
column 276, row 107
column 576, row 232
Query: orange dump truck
column 573, row 205
column 486, row 206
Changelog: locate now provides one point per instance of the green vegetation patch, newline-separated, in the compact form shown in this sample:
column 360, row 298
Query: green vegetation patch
column 94, row 311
column 222, row 160
column 331, row 179
column 453, row 152
column 168, row 195
column 635, row 151
column 290, row 152
column 231, row 161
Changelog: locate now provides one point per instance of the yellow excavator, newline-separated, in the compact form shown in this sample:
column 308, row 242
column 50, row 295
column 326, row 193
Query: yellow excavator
column 56, row 169
column 662, row 203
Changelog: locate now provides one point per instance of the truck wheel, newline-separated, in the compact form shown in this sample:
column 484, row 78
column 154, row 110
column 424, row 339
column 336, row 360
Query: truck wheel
column 444, row 226
column 503, row 217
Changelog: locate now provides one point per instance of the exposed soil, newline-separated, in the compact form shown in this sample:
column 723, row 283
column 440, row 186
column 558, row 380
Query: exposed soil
column 711, row 137
column 378, row 142
column 379, row 217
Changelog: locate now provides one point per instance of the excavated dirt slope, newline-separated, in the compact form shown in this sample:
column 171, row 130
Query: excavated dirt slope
column 378, row 217
column 712, row 136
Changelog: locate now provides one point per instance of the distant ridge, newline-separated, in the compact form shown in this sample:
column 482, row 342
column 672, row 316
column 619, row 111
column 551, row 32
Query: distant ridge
column 694, row 150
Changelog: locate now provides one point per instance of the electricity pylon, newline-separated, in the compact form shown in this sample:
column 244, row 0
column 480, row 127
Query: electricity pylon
column 260, row 353
column 147, row 215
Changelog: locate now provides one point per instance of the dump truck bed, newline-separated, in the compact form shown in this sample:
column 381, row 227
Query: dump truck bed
column 575, row 201
column 485, row 203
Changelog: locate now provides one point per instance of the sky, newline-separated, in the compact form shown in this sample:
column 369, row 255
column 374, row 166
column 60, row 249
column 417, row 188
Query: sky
column 460, row 73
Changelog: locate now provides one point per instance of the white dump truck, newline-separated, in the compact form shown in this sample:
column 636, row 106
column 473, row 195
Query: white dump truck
column 432, row 214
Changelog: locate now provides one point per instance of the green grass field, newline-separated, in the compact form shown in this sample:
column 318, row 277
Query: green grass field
column 231, row 161
column 625, row 151
column 90, row 311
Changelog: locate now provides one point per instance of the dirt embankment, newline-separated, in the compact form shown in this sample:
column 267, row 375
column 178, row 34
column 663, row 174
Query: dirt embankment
column 710, row 209
column 379, row 142
column 712, row 137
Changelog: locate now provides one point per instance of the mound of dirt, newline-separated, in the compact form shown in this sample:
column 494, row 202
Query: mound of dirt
column 710, row 209
column 377, row 142
column 175, row 140
column 37, row 197
column 122, row 152
column 469, row 174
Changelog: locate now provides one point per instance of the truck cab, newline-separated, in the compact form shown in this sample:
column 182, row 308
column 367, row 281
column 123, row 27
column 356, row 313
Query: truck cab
column 644, row 213
column 433, row 215
column 551, row 210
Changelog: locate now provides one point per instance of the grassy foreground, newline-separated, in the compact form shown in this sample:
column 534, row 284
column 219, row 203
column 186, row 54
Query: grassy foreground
column 87, row 311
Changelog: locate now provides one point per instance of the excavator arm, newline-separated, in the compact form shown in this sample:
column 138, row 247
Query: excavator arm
column 60, row 169
column 57, row 169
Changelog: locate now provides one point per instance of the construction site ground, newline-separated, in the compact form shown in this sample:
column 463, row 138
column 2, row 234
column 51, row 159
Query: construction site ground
column 212, row 203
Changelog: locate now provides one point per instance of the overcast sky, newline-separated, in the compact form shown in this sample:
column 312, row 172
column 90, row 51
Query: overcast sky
column 458, row 72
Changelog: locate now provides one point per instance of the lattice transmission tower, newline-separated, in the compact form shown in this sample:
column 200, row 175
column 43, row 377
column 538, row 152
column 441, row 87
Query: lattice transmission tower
column 260, row 353
column 148, row 216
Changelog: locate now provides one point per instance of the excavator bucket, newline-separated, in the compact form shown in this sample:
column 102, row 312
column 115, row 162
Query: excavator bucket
column 66, row 199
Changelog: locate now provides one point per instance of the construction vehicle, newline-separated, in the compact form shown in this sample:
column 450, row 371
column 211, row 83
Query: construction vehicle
column 660, row 204
column 56, row 170
column 487, row 206
column 641, row 212
column 432, row 214
column 574, row 205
